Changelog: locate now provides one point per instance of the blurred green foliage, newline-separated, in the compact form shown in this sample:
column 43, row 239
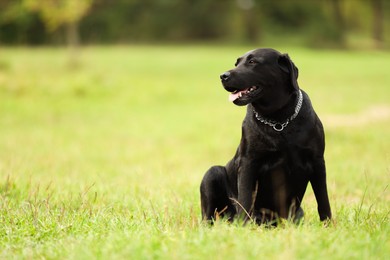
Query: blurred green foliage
column 316, row 23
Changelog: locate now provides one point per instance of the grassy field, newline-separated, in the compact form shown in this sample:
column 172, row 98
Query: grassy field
column 104, row 161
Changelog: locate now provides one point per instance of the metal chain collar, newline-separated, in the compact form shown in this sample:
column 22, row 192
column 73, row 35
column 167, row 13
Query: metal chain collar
column 277, row 126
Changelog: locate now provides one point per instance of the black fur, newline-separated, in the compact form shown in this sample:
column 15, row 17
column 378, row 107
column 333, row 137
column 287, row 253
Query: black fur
column 267, row 177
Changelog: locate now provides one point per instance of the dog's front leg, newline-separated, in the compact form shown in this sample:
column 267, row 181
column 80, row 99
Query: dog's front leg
column 318, row 182
column 247, row 191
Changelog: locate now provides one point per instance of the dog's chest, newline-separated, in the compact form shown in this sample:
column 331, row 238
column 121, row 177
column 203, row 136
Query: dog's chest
column 271, row 151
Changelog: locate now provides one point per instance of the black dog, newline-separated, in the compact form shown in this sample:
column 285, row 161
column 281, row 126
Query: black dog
column 281, row 148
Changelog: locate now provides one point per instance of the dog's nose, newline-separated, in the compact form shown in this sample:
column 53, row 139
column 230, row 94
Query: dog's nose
column 225, row 76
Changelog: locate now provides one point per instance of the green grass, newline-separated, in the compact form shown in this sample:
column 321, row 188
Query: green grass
column 105, row 160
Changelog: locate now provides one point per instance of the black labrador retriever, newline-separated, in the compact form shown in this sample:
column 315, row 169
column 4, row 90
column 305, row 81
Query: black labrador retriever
column 281, row 149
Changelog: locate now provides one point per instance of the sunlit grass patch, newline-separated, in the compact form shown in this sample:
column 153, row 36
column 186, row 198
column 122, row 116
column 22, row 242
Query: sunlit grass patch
column 105, row 161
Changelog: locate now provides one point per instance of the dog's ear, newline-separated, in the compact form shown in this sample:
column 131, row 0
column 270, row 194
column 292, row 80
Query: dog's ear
column 286, row 65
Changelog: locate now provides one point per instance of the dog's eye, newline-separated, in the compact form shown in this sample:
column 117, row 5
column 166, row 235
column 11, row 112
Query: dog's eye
column 252, row 62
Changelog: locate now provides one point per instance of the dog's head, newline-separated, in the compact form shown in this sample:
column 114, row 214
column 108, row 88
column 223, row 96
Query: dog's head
column 260, row 75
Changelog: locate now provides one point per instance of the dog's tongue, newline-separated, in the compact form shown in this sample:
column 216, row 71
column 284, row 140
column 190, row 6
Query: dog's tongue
column 233, row 96
column 236, row 95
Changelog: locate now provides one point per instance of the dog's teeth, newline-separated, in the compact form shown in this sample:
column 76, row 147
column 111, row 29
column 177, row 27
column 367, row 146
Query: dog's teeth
column 240, row 95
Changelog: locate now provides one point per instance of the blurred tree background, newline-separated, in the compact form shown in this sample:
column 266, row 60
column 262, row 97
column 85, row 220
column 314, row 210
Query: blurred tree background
column 313, row 23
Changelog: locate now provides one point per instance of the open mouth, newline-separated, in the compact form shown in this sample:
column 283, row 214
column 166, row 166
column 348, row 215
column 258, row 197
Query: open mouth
column 238, row 94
